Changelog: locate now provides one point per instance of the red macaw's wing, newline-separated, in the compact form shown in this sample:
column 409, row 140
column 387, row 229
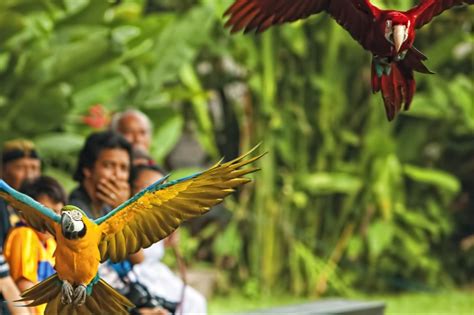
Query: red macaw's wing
column 428, row 9
column 356, row 16
column 159, row 209
column 35, row 214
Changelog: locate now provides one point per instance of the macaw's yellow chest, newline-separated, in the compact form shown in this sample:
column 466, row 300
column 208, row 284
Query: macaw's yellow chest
column 77, row 261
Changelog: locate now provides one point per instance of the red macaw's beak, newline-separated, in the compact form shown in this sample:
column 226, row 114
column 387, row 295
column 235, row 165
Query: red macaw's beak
column 399, row 37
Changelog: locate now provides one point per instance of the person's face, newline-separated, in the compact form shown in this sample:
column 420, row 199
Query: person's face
column 136, row 130
column 50, row 203
column 19, row 170
column 111, row 164
column 145, row 179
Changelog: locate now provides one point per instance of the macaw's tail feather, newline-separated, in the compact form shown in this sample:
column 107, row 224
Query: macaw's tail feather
column 102, row 300
column 396, row 81
column 396, row 84
column 43, row 292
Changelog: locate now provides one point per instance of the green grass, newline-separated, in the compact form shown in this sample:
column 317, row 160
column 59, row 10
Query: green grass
column 441, row 303
column 451, row 302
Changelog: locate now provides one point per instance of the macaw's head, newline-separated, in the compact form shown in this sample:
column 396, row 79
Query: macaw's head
column 397, row 29
column 72, row 224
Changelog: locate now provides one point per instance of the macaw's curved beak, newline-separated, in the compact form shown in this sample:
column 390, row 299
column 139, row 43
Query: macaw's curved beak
column 399, row 37
column 67, row 223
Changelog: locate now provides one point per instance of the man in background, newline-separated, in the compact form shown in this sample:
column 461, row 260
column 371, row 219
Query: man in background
column 20, row 162
column 102, row 174
column 135, row 126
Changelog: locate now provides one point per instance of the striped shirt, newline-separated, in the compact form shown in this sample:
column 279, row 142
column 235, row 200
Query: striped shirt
column 4, row 270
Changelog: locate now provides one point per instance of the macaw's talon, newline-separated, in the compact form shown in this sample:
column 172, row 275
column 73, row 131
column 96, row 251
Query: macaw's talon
column 382, row 65
column 66, row 293
column 80, row 295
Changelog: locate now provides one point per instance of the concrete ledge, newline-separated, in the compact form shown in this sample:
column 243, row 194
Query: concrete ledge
column 328, row 307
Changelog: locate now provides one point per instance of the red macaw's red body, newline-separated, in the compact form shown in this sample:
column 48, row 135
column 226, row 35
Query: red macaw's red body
column 387, row 34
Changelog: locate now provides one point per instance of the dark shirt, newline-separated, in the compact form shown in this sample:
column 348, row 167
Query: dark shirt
column 4, row 222
column 81, row 199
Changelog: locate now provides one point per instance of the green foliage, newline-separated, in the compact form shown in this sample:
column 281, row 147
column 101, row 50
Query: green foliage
column 325, row 183
column 345, row 199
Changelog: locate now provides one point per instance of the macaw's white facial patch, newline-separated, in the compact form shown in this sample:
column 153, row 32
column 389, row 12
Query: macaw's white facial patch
column 78, row 226
column 76, row 215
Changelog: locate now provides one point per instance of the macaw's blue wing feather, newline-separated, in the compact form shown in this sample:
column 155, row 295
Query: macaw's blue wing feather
column 159, row 209
column 35, row 214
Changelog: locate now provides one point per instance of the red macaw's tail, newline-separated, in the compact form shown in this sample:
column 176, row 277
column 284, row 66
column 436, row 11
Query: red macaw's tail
column 396, row 81
column 102, row 300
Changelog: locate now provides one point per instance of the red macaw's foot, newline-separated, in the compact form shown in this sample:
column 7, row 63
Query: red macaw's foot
column 382, row 65
column 67, row 292
column 80, row 295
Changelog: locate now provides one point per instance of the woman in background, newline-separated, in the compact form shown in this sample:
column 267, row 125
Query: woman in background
column 154, row 274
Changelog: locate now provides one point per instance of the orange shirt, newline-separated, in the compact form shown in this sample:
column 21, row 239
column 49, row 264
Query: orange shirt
column 28, row 257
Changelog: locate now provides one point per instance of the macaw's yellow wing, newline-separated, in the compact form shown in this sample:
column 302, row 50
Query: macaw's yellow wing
column 35, row 214
column 159, row 209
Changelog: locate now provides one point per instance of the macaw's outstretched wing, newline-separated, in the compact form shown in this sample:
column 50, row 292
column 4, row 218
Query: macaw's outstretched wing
column 356, row 16
column 35, row 214
column 155, row 212
column 428, row 9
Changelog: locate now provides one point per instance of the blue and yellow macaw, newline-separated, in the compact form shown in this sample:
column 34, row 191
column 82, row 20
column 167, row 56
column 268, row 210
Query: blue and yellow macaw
column 83, row 243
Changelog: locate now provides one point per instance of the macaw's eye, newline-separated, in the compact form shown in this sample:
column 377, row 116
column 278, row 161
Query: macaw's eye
column 76, row 215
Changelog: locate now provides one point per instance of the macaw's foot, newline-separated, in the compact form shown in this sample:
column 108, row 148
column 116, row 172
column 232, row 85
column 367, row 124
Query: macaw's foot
column 67, row 292
column 382, row 65
column 80, row 295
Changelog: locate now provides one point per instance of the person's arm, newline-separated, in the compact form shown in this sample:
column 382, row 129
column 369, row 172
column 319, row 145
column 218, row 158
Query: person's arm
column 153, row 311
column 24, row 284
column 137, row 258
column 172, row 239
column 11, row 293
column 23, row 263
column 9, row 290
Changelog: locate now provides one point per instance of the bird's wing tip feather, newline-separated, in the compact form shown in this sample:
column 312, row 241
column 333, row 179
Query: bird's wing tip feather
column 3, row 185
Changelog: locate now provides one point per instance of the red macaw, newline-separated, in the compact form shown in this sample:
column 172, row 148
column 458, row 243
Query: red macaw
column 387, row 34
